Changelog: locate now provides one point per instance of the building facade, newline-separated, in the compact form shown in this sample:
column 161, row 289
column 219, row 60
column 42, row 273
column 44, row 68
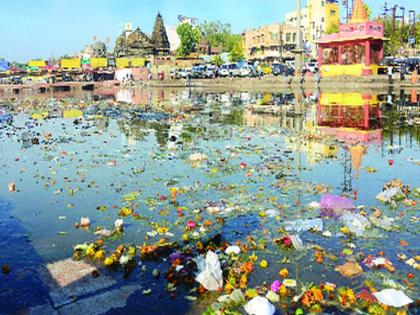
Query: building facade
column 317, row 17
column 273, row 42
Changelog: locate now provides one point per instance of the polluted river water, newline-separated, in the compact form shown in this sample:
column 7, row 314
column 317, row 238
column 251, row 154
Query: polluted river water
column 190, row 202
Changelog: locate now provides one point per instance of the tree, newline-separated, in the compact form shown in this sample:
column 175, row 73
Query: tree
column 332, row 29
column 217, row 60
column 190, row 37
column 217, row 34
column 236, row 48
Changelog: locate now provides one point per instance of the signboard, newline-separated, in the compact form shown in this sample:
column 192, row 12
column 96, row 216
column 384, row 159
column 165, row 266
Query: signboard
column 138, row 62
column 367, row 28
column 122, row 63
column 99, row 63
column 70, row 64
column 36, row 63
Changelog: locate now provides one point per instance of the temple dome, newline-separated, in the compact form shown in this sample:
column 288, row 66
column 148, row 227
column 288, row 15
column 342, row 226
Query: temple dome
column 359, row 14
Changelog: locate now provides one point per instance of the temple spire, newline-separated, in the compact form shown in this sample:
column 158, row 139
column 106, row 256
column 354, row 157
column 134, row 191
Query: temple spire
column 359, row 14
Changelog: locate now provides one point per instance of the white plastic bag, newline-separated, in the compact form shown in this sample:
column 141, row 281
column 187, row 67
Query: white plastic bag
column 259, row 306
column 355, row 223
column 388, row 195
column 210, row 274
column 392, row 297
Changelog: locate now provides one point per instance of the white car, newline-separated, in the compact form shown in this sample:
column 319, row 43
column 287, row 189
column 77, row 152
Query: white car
column 246, row 71
column 229, row 70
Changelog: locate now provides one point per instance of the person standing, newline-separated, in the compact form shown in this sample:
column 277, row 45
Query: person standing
column 414, row 75
column 389, row 71
column 402, row 72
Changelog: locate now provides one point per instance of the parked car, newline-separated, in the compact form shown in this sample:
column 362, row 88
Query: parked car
column 290, row 70
column 198, row 71
column 266, row 69
column 185, row 73
column 210, row 72
column 247, row 71
column 278, row 69
column 229, row 70
column 175, row 73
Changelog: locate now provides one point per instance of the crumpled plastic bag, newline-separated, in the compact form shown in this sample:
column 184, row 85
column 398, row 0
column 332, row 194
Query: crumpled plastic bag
column 304, row 225
column 233, row 249
column 259, row 306
column 392, row 297
column 387, row 196
column 349, row 269
column 335, row 206
column 356, row 223
column 210, row 274
column 386, row 223
column 233, row 299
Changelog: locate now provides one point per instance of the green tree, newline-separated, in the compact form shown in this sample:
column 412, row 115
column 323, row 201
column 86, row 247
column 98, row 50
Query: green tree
column 217, row 34
column 332, row 29
column 190, row 37
column 236, row 48
column 217, row 60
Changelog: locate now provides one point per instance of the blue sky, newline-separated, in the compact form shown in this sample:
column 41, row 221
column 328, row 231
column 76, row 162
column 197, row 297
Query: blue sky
column 42, row 28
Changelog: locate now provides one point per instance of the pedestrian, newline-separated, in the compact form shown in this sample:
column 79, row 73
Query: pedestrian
column 390, row 70
column 402, row 72
column 414, row 75
column 259, row 71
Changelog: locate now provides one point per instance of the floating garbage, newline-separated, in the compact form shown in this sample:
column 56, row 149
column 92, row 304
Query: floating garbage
column 259, row 306
column 392, row 297
column 210, row 274
column 335, row 206
column 85, row 222
column 304, row 225
column 119, row 224
column 12, row 187
column 386, row 223
column 393, row 193
column 349, row 269
column 233, row 250
column 356, row 223
column 5, row 118
column 152, row 116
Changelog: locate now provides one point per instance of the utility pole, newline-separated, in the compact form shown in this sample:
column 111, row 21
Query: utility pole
column 298, row 51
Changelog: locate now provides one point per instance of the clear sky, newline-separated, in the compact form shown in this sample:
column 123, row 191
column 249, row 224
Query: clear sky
column 42, row 28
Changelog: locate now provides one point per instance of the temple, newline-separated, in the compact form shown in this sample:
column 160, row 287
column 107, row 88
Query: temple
column 139, row 44
column 356, row 49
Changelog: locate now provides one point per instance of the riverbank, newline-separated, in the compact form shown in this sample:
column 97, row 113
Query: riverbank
column 272, row 81
column 266, row 83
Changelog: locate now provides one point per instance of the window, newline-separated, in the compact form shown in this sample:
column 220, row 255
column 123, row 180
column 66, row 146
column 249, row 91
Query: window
column 333, row 12
column 313, row 37
column 322, row 20
column 294, row 37
column 287, row 37
column 330, row 56
column 353, row 54
column 322, row 3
